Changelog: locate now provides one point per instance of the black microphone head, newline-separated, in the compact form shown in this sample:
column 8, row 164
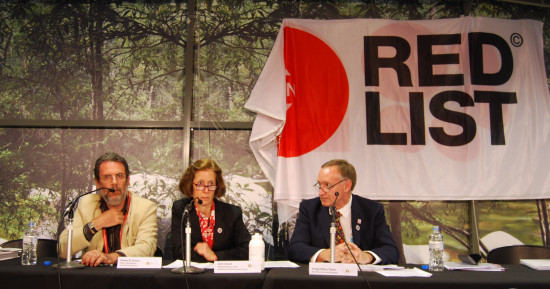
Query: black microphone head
column 199, row 201
column 111, row 190
column 337, row 194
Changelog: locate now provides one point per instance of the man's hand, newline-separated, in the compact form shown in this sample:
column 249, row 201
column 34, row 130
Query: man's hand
column 95, row 257
column 108, row 219
column 204, row 250
column 340, row 251
column 342, row 255
column 361, row 256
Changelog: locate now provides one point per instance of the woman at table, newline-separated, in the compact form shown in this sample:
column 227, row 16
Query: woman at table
column 217, row 228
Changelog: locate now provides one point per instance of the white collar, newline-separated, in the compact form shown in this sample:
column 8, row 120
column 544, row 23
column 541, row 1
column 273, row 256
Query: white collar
column 346, row 209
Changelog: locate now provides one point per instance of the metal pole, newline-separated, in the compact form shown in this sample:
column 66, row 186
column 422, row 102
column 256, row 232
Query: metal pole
column 189, row 81
column 332, row 242
column 69, row 264
column 474, row 229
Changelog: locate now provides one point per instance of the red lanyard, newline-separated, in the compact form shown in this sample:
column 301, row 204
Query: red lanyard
column 105, row 245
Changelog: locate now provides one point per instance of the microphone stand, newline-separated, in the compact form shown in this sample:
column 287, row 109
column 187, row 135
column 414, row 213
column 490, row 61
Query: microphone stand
column 332, row 235
column 333, row 211
column 69, row 264
column 187, row 268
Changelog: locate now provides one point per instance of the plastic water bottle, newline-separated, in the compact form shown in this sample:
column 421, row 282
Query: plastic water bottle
column 256, row 249
column 436, row 250
column 30, row 241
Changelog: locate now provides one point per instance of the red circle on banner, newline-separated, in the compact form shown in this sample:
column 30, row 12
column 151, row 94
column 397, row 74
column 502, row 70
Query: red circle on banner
column 317, row 93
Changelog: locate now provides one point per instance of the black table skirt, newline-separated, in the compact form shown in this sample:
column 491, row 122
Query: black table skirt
column 515, row 276
column 13, row 275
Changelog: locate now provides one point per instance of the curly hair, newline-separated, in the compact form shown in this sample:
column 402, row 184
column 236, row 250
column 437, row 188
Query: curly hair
column 186, row 181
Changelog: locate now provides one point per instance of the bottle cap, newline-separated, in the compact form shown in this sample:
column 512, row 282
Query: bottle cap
column 47, row 263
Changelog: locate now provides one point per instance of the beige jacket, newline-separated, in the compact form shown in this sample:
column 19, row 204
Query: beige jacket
column 139, row 236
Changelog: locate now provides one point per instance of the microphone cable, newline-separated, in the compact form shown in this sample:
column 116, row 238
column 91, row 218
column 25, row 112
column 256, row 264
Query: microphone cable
column 333, row 212
column 62, row 217
column 354, row 259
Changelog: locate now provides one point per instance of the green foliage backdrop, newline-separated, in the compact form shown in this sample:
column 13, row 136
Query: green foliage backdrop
column 124, row 61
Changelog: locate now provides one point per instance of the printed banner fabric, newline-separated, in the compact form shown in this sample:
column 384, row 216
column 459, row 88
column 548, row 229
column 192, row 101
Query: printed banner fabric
column 452, row 109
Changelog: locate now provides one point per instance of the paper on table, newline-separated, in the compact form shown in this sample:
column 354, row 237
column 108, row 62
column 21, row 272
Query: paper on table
column 413, row 272
column 280, row 264
column 179, row 264
column 371, row 268
column 8, row 254
column 268, row 264
column 478, row 267
column 538, row 264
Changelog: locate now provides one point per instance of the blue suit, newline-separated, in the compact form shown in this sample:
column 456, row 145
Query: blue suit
column 368, row 222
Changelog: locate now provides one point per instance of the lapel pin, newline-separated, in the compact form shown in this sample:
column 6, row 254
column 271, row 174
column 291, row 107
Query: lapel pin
column 357, row 227
column 220, row 230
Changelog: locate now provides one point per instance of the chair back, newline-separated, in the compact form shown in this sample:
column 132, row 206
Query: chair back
column 158, row 252
column 512, row 254
column 44, row 248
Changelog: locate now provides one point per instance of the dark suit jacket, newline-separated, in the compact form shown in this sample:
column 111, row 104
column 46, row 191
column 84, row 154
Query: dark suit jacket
column 368, row 222
column 231, row 237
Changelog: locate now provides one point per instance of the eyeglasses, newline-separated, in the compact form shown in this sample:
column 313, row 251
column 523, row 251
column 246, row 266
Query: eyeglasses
column 326, row 188
column 201, row 187
column 109, row 178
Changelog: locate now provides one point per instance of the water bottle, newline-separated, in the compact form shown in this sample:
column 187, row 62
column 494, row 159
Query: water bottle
column 256, row 249
column 30, row 241
column 436, row 250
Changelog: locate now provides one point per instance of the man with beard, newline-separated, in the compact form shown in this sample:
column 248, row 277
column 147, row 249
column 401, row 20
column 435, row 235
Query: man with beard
column 115, row 222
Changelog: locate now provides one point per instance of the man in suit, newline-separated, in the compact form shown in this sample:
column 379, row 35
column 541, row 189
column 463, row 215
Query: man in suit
column 114, row 223
column 363, row 223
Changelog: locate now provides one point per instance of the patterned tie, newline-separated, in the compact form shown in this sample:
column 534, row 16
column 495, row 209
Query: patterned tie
column 339, row 230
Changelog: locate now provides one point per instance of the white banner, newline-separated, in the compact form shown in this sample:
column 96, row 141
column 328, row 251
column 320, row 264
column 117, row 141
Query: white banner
column 452, row 109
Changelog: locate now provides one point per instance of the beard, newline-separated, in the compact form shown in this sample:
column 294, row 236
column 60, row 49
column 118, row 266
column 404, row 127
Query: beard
column 113, row 199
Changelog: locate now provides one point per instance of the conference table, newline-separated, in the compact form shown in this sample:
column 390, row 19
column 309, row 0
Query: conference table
column 15, row 275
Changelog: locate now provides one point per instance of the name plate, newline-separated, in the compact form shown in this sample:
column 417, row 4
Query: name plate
column 237, row 267
column 333, row 269
column 139, row 262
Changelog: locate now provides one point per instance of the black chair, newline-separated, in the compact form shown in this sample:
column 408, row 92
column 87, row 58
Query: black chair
column 44, row 248
column 512, row 254
column 168, row 255
column 158, row 253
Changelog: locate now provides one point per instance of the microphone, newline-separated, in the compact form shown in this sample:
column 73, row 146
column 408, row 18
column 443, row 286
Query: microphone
column 190, row 206
column 333, row 213
column 71, row 205
column 333, row 207
column 333, row 229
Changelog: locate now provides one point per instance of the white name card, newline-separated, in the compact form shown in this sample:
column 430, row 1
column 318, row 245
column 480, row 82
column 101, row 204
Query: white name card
column 334, row 269
column 237, row 267
column 139, row 262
